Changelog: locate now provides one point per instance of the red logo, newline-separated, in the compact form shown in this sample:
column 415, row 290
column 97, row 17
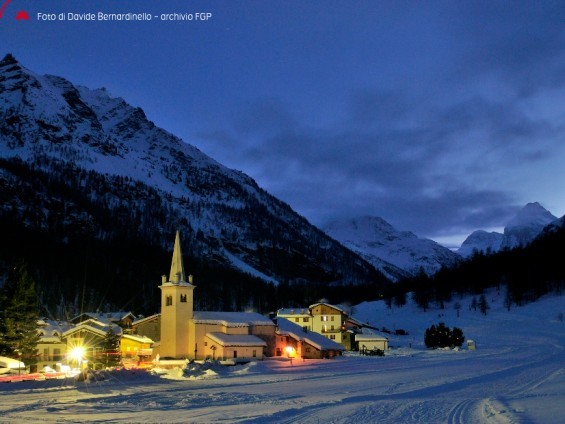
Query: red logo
column 22, row 16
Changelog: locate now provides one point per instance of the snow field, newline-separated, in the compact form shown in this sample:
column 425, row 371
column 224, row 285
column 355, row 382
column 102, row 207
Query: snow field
column 516, row 375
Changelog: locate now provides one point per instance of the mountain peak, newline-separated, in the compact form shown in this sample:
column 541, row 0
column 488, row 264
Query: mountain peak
column 9, row 59
column 533, row 214
column 395, row 253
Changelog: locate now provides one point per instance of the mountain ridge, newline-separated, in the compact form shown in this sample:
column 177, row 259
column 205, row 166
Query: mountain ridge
column 94, row 165
column 521, row 230
column 397, row 254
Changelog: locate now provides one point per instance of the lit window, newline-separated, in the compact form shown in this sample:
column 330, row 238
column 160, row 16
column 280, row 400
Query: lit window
column 324, row 318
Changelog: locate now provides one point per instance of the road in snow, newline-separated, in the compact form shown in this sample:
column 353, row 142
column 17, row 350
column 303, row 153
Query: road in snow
column 517, row 374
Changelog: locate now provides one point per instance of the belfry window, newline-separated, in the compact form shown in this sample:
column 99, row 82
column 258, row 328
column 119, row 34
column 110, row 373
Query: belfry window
column 183, row 298
column 169, row 300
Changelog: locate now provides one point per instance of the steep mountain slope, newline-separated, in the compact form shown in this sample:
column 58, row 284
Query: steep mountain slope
column 79, row 164
column 520, row 231
column 395, row 253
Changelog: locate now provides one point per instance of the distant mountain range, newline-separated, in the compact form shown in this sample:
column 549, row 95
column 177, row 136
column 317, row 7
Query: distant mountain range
column 396, row 253
column 78, row 165
column 528, row 223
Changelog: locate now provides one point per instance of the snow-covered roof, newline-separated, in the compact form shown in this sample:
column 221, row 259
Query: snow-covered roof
column 369, row 337
column 50, row 330
column 231, row 319
column 137, row 338
column 354, row 321
column 105, row 317
column 293, row 311
column 330, row 306
column 287, row 328
column 142, row 320
column 236, row 339
column 100, row 330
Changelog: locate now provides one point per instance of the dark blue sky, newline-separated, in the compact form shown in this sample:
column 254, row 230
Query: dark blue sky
column 441, row 117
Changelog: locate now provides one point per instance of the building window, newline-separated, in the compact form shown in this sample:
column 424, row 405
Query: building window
column 324, row 328
column 183, row 298
column 235, row 353
column 254, row 353
column 332, row 337
column 324, row 318
column 308, row 350
column 305, row 319
column 205, row 343
column 169, row 300
column 332, row 318
column 296, row 319
column 56, row 354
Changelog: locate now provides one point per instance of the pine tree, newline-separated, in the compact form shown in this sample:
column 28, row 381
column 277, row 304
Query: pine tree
column 111, row 349
column 483, row 304
column 19, row 315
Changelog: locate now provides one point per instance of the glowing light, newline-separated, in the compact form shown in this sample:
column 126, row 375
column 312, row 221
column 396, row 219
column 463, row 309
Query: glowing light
column 290, row 351
column 77, row 353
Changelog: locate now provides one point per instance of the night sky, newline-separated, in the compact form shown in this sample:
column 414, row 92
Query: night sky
column 441, row 117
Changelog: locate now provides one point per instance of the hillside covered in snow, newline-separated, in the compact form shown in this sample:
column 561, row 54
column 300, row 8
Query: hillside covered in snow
column 396, row 253
column 87, row 180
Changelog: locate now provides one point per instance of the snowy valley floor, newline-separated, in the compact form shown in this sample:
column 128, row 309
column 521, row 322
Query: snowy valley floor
column 516, row 375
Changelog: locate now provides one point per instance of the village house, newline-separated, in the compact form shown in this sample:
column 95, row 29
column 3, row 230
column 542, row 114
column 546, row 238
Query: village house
column 187, row 334
column 293, row 340
column 334, row 323
column 50, row 348
column 88, row 338
column 331, row 321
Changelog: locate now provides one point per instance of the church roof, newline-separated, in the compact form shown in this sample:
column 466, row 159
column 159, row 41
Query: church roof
column 231, row 319
column 236, row 339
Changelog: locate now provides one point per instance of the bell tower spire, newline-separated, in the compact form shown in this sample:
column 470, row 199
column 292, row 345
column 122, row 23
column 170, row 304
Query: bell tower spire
column 177, row 274
column 176, row 308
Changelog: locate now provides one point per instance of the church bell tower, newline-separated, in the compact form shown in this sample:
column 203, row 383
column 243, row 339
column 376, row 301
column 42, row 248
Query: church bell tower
column 176, row 308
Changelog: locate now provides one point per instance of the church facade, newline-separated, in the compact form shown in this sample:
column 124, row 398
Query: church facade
column 185, row 333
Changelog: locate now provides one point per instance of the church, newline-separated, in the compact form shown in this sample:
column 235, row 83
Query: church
column 184, row 333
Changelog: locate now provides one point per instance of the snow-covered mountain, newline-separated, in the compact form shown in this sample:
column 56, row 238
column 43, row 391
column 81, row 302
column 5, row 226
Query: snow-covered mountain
column 528, row 223
column 74, row 160
column 395, row 253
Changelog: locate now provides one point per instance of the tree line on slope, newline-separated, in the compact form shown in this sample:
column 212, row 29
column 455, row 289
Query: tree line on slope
column 527, row 273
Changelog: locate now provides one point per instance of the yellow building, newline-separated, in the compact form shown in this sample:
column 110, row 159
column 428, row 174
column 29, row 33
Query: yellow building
column 51, row 348
column 185, row 333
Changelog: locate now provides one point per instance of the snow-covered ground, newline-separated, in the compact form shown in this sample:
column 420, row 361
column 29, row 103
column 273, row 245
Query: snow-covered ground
column 516, row 375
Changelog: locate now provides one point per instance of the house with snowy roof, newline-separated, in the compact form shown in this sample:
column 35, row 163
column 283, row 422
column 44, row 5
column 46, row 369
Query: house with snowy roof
column 123, row 319
column 294, row 340
column 185, row 333
column 331, row 321
column 50, row 347
column 90, row 334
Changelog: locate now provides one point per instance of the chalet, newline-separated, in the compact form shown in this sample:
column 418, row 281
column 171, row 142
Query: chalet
column 185, row 333
column 50, row 347
column 331, row 321
column 89, row 336
column 293, row 340
column 123, row 319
